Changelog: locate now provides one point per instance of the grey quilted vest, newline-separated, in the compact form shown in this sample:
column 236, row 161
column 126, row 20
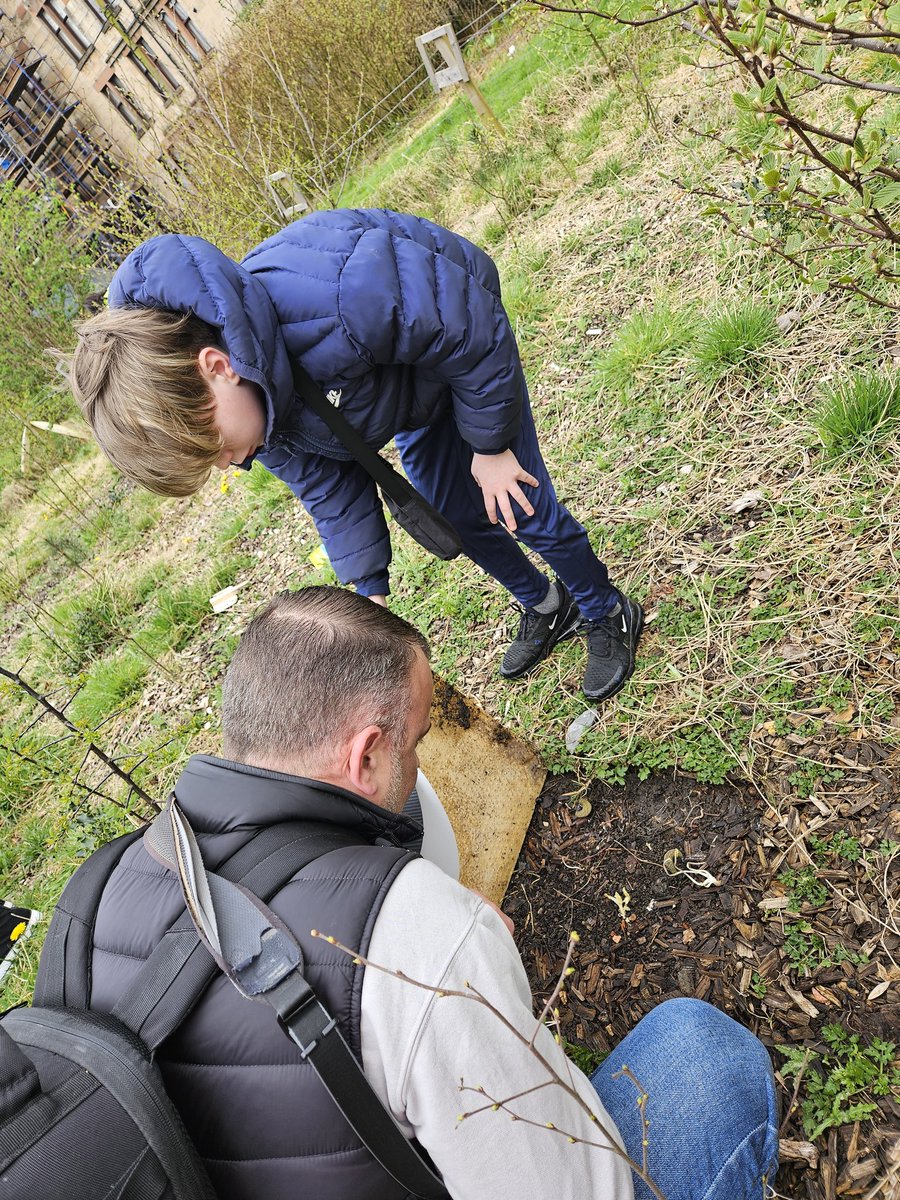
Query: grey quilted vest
column 259, row 1117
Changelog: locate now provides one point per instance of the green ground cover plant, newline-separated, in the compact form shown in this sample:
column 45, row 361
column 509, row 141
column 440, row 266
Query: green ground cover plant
column 840, row 1081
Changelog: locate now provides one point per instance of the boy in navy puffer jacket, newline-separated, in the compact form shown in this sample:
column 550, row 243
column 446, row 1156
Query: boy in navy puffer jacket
column 401, row 323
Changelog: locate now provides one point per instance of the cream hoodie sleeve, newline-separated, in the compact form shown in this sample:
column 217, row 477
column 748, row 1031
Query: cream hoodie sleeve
column 418, row 1048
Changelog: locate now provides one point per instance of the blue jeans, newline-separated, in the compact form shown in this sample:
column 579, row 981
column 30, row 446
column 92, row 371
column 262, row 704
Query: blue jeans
column 439, row 463
column 712, row 1111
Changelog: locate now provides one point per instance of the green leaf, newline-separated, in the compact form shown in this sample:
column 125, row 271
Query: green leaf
column 741, row 101
column 767, row 95
column 887, row 195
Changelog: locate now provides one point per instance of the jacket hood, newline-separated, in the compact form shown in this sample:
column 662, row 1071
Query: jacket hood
column 188, row 274
column 224, row 796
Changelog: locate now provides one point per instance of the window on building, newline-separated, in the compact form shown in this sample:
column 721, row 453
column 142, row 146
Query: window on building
column 155, row 70
column 70, row 36
column 183, row 30
column 98, row 9
column 125, row 104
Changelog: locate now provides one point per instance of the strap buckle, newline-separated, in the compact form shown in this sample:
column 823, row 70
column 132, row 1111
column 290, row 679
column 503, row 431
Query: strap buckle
column 300, row 1013
column 306, row 1051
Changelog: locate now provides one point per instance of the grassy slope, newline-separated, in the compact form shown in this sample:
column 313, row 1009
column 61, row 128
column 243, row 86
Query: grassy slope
column 664, row 392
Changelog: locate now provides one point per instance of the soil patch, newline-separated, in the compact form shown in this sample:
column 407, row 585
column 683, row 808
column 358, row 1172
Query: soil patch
column 593, row 861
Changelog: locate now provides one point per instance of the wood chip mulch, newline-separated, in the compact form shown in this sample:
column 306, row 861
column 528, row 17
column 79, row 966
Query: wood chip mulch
column 593, row 862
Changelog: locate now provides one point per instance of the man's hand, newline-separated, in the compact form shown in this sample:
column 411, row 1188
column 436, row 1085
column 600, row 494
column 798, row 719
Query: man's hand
column 507, row 921
column 499, row 476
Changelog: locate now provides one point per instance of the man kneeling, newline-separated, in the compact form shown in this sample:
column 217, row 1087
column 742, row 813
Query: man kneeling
column 324, row 704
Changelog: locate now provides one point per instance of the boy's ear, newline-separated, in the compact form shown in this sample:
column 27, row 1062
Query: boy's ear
column 215, row 364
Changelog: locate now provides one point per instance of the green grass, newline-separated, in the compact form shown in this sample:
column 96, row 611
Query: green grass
column 733, row 341
column 112, row 683
column 645, row 345
column 858, row 415
column 542, row 54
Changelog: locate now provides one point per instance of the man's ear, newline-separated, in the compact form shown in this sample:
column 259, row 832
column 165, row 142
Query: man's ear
column 214, row 363
column 365, row 760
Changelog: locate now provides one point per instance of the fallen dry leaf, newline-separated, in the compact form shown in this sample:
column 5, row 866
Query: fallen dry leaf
column 745, row 501
column 878, row 990
column 787, row 320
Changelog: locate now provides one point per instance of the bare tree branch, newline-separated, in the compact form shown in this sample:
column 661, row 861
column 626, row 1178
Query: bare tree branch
column 472, row 994
column 92, row 748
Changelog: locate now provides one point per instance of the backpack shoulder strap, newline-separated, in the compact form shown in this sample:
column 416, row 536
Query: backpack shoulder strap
column 179, row 970
column 64, row 973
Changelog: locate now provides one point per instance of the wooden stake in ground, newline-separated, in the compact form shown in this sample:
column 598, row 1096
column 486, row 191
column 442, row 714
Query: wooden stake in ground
column 443, row 40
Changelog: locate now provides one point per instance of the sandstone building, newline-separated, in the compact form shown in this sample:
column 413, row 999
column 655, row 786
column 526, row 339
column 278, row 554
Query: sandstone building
column 87, row 83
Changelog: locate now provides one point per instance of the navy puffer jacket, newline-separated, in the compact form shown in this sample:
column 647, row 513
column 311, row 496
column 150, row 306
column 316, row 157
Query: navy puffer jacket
column 402, row 317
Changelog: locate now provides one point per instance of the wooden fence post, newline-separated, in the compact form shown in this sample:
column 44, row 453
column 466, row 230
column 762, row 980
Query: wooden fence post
column 288, row 198
column 443, row 41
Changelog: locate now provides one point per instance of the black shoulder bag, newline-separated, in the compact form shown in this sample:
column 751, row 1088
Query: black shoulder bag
column 407, row 506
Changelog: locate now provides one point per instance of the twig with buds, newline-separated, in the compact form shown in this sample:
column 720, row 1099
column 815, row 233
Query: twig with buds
column 553, row 1077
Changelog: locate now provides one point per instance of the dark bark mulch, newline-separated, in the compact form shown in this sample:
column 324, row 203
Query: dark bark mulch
column 666, row 936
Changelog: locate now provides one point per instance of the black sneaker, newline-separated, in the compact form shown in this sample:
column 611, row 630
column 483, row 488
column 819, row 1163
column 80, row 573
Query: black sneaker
column 539, row 633
column 612, row 642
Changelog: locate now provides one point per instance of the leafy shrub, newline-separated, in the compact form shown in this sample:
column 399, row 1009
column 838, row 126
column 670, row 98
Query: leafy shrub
column 808, row 172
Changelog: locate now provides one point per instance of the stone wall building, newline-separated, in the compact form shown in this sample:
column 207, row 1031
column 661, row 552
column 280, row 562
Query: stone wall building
column 84, row 83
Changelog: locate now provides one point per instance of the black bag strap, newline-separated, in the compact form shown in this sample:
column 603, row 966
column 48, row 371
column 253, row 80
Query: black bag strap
column 261, row 957
column 64, row 973
column 390, row 481
column 315, row 1033
column 266, row 862
column 172, row 980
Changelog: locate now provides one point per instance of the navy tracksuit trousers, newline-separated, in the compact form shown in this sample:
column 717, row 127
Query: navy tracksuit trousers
column 439, row 463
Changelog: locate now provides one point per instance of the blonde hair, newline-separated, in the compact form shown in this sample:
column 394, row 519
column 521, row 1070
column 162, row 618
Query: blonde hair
column 135, row 376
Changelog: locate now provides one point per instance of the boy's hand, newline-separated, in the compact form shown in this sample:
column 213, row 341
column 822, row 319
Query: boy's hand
column 499, row 476
column 382, row 600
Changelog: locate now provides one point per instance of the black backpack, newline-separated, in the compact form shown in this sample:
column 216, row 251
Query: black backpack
column 83, row 1111
column 83, row 1115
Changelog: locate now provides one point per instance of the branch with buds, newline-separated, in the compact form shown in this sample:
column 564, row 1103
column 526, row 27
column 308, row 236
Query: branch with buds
column 554, row 1079
column 806, row 181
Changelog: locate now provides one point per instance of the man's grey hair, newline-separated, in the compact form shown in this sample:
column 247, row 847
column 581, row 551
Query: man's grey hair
column 312, row 668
